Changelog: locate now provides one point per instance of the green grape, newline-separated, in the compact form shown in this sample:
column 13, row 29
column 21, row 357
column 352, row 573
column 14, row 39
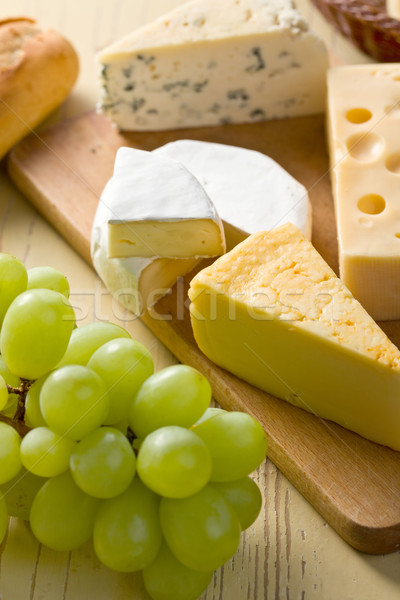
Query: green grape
column 48, row 278
column 13, row 281
column 127, row 533
column 202, row 530
column 35, row 332
column 86, row 339
column 14, row 381
column 33, row 414
column 237, row 443
column 123, row 364
column 122, row 426
column 62, row 516
column 10, row 461
column 174, row 462
column 9, row 377
column 45, row 453
column 244, row 496
column 210, row 412
column 11, row 407
column 168, row 579
column 3, row 393
column 3, row 518
column 176, row 395
column 74, row 401
column 136, row 443
column 19, row 493
column 103, row 464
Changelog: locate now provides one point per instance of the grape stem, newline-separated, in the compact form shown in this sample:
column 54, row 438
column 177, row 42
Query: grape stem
column 22, row 390
column 19, row 426
column 18, row 420
column 132, row 437
column 14, row 390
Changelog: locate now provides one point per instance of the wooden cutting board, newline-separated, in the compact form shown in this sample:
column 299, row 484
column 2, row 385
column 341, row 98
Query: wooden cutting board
column 353, row 483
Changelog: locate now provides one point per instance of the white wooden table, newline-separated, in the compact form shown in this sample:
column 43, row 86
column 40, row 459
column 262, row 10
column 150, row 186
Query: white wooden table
column 290, row 553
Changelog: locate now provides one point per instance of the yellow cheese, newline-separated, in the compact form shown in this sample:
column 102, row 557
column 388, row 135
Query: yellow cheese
column 178, row 239
column 159, row 209
column 363, row 127
column 272, row 312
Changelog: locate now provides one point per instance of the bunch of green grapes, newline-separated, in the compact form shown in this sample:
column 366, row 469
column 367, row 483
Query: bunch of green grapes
column 110, row 450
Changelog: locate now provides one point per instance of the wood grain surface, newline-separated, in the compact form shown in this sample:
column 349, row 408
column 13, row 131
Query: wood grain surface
column 290, row 552
column 353, row 483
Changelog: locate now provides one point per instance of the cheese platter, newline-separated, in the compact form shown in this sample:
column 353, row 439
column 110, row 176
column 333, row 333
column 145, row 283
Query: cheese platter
column 353, row 483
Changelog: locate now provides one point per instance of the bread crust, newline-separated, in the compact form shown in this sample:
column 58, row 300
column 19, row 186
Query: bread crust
column 37, row 71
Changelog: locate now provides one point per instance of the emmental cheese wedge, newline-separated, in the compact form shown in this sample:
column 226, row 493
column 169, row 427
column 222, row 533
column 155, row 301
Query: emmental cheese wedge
column 211, row 62
column 158, row 208
column 272, row 312
column 363, row 128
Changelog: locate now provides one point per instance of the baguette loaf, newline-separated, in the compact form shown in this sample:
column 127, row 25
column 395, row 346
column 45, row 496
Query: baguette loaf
column 37, row 70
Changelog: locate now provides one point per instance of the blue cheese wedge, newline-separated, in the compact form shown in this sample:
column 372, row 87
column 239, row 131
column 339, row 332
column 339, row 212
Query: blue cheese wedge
column 158, row 208
column 250, row 191
column 212, row 62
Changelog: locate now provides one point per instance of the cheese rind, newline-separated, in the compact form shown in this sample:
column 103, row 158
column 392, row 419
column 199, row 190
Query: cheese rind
column 363, row 122
column 210, row 63
column 272, row 312
column 158, row 208
column 250, row 191
column 136, row 283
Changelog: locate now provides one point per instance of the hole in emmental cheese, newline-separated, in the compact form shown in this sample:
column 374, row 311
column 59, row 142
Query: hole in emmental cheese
column 371, row 204
column 358, row 115
column 364, row 146
column 392, row 163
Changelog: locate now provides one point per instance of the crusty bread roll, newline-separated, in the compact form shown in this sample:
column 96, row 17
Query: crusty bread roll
column 37, row 70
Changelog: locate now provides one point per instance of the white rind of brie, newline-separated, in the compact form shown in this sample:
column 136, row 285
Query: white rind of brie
column 136, row 283
column 250, row 191
column 158, row 208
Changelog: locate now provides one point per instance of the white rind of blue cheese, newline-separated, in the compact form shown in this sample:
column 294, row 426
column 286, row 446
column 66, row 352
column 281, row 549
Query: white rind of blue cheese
column 250, row 191
column 212, row 62
column 160, row 209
